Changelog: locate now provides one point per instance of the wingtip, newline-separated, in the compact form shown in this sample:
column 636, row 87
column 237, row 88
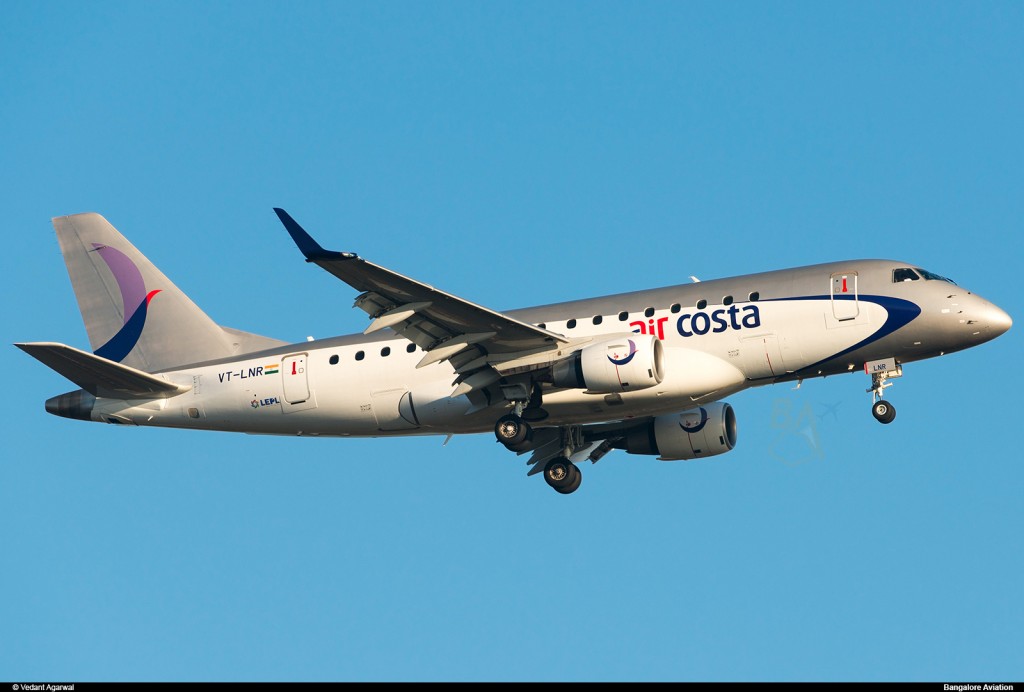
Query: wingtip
column 307, row 246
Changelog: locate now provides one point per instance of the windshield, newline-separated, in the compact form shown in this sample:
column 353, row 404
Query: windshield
column 931, row 276
column 904, row 274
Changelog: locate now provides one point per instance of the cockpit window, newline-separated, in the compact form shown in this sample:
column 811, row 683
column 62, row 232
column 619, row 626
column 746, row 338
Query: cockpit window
column 904, row 274
column 930, row 276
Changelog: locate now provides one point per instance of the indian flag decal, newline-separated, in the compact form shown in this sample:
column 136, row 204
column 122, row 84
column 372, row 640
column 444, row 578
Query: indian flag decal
column 270, row 369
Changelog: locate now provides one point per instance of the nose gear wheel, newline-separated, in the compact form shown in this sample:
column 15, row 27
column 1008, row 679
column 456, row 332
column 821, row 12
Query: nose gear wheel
column 883, row 411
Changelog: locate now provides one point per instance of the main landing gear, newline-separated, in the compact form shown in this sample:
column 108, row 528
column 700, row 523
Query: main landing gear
column 880, row 371
column 516, row 434
column 563, row 475
column 513, row 431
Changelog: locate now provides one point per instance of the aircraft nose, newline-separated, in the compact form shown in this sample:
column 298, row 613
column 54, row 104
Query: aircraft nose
column 997, row 319
column 990, row 319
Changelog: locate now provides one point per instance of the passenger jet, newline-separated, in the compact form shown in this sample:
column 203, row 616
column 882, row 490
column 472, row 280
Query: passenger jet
column 645, row 372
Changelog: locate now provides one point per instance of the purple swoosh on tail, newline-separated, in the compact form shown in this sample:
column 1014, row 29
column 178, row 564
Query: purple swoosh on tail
column 128, row 277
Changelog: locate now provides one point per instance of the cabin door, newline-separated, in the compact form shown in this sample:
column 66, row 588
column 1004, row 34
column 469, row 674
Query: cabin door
column 296, row 384
column 844, row 296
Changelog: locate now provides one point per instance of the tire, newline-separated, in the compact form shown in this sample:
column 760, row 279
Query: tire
column 524, row 446
column 575, row 484
column 511, row 430
column 558, row 473
column 883, row 411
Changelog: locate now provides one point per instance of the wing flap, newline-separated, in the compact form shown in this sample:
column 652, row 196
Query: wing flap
column 99, row 376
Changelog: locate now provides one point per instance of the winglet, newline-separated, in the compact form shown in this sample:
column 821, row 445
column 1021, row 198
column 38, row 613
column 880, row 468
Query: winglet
column 309, row 247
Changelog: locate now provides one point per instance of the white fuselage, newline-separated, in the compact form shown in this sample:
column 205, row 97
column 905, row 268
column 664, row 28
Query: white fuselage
column 753, row 330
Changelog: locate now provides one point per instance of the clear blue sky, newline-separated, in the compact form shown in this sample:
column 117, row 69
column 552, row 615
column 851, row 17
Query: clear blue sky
column 515, row 154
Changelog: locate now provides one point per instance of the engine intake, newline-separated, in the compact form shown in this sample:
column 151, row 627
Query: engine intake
column 701, row 432
column 617, row 365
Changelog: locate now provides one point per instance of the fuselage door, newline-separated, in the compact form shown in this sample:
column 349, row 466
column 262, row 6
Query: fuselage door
column 293, row 373
column 844, row 295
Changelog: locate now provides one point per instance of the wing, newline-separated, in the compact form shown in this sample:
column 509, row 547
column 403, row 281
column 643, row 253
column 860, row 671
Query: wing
column 481, row 344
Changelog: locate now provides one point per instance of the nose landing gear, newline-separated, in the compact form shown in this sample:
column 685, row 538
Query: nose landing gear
column 880, row 371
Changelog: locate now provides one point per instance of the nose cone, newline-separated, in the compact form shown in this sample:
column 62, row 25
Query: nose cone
column 996, row 319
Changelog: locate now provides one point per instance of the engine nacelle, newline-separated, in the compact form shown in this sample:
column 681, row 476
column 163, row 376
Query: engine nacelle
column 694, row 434
column 617, row 365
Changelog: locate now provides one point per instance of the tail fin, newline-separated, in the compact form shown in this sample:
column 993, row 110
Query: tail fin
column 133, row 313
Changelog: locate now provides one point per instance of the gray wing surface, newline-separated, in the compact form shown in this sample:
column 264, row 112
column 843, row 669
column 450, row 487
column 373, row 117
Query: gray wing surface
column 473, row 338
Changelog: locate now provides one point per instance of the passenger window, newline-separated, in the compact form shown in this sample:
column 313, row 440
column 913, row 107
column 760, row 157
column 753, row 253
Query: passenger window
column 623, row 316
column 598, row 319
column 360, row 355
column 676, row 307
column 727, row 300
column 542, row 326
column 904, row 274
column 386, row 351
column 410, row 348
column 754, row 296
column 334, row 359
column 571, row 324
column 649, row 312
column 701, row 304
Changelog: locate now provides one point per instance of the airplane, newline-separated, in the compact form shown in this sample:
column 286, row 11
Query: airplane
column 645, row 372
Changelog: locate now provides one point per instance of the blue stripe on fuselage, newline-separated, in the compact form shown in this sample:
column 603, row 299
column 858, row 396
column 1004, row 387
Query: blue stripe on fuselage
column 899, row 313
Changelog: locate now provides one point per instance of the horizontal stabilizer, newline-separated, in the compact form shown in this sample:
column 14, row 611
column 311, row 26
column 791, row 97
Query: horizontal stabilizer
column 99, row 376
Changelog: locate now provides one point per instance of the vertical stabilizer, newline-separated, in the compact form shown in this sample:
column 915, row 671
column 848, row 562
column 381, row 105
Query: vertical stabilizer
column 133, row 313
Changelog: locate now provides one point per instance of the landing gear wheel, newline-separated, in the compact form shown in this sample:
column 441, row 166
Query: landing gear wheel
column 511, row 430
column 562, row 475
column 571, row 488
column 883, row 411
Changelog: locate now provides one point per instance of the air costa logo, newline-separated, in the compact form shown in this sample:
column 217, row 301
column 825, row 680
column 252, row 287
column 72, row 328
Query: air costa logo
column 134, row 301
column 700, row 323
column 693, row 424
column 624, row 360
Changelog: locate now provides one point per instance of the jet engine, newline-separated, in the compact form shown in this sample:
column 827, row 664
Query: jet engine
column 617, row 365
column 701, row 432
